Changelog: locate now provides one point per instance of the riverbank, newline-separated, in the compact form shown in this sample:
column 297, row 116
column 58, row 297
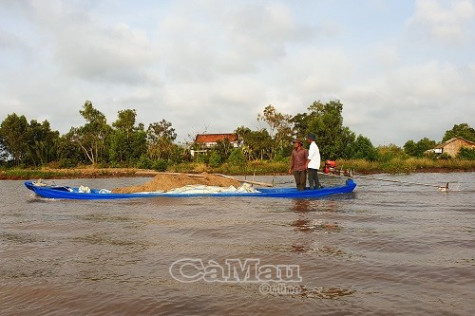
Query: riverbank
column 47, row 173
column 411, row 165
column 408, row 165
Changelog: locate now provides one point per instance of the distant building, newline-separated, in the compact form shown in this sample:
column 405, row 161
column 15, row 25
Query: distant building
column 206, row 142
column 211, row 140
column 451, row 147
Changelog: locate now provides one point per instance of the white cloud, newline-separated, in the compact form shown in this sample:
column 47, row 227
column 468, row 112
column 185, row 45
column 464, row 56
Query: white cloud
column 207, row 41
column 447, row 21
column 261, row 32
column 10, row 41
column 114, row 53
column 412, row 102
column 83, row 46
column 316, row 71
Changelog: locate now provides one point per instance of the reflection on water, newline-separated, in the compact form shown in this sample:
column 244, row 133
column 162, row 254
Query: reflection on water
column 384, row 249
column 301, row 206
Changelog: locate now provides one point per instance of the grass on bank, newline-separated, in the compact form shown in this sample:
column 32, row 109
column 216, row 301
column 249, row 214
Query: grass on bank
column 398, row 165
column 395, row 165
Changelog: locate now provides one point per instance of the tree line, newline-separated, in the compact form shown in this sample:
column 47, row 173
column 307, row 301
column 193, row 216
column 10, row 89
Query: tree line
column 127, row 143
column 123, row 143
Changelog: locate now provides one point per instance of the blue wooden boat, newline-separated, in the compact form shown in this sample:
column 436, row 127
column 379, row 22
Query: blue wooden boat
column 65, row 192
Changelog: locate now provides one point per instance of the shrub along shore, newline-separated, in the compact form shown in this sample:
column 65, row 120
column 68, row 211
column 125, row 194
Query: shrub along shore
column 358, row 166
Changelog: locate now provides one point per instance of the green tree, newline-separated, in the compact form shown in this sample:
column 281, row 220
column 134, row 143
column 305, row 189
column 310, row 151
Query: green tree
column 300, row 125
column 345, row 143
column 388, row 152
column 126, row 120
column 215, row 159
column 179, row 154
column 160, row 165
column 417, row 149
column 362, row 148
column 69, row 152
column 280, row 127
column 237, row 159
column 144, row 162
column 466, row 153
column 91, row 137
column 410, row 148
column 138, row 144
column 460, row 130
column 14, row 137
column 42, row 143
column 160, row 137
column 326, row 122
column 256, row 144
column 127, row 142
column 224, row 148
column 423, row 145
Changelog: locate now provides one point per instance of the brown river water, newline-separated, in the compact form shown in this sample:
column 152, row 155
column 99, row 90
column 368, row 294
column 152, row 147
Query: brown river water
column 385, row 249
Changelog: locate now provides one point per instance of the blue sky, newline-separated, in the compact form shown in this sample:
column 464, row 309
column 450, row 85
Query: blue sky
column 402, row 69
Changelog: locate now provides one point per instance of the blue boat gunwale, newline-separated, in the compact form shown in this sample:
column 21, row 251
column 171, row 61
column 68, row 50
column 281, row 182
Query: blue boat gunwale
column 65, row 192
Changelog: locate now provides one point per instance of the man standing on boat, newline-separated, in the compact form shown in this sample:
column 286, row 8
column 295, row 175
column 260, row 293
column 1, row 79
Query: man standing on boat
column 313, row 163
column 298, row 163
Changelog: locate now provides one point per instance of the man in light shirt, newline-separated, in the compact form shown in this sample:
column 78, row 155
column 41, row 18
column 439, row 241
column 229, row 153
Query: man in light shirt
column 313, row 163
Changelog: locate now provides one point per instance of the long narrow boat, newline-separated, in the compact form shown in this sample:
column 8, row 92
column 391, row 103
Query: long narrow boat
column 75, row 193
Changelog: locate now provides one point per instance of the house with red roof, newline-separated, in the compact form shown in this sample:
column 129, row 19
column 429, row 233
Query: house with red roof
column 211, row 140
column 205, row 142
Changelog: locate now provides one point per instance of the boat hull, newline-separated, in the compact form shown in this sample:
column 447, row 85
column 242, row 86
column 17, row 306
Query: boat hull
column 72, row 193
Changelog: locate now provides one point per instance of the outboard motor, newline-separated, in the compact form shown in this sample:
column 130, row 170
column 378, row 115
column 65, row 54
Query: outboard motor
column 330, row 166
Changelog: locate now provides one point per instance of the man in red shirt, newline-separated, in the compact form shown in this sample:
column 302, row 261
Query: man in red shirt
column 298, row 164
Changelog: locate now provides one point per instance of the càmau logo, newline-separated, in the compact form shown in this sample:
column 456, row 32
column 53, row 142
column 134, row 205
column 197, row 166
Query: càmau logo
column 249, row 270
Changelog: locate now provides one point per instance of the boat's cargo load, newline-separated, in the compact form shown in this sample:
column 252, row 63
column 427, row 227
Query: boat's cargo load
column 84, row 189
column 203, row 189
column 166, row 181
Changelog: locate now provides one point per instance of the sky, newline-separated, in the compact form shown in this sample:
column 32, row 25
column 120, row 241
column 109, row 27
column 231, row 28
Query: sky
column 402, row 69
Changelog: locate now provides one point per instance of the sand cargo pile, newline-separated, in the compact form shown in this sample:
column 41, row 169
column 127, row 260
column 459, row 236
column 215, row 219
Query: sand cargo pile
column 167, row 181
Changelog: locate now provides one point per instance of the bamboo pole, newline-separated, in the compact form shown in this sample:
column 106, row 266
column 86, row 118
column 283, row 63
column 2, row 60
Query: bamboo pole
column 154, row 173
column 441, row 188
column 264, row 184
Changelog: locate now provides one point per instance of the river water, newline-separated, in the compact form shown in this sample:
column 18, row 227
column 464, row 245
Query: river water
column 386, row 249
